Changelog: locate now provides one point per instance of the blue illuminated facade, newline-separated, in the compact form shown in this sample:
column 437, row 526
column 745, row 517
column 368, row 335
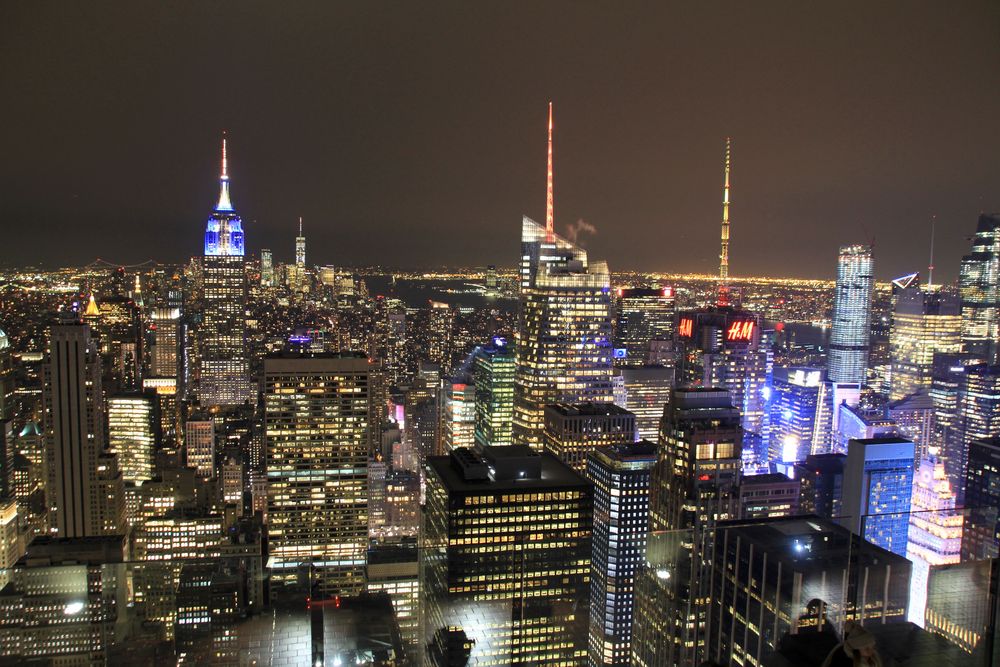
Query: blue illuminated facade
column 878, row 485
column 224, row 232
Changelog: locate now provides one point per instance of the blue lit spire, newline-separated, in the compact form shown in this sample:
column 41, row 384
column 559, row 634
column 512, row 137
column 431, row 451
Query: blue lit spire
column 224, row 231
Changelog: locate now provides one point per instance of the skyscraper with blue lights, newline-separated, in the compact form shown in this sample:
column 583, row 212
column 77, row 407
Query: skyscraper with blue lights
column 878, row 483
column 225, row 368
column 850, row 335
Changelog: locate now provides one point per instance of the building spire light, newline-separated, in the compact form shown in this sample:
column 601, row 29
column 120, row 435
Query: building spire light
column 225, row 203
column 724, row 255
column 549, row 214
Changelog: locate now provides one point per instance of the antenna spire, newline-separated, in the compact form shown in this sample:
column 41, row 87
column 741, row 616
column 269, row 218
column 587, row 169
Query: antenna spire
column 724, row 255
column 930, row 267
column 549, row 216
column 300, row 225
column 225, row 203
column 225, row 162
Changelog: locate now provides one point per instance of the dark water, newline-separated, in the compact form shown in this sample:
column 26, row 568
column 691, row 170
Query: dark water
column 416, row 293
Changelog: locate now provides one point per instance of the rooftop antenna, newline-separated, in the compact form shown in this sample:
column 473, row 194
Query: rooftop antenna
column 930, row 266
column 549, row 215
column 724, row 255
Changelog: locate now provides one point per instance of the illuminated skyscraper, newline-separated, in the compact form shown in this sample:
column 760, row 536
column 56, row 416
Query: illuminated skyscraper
column 979, row 286
column 266, row 268
column 84, row 490
column 458, row 413
column 926, row 321
column 133, row 429
column 647, row 390
column 722, row 347
column 199, row 444
column 494, row 373
column 316, row 411
column 166, row 325
column 796, row 427
column 573, row 431
column 694, row 485
column 935, row 534
column 300, row 247
column 878, row 479
column 225, row 368
column 977, row 417
column 643, row 316
column 621, row 477
column 847, row 360
column 505, row 558
column 564, row 335
column 564, row 352
column 6, row 377
column 440, row 334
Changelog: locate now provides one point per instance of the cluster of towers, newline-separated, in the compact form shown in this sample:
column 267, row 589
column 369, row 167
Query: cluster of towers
column 618, row 479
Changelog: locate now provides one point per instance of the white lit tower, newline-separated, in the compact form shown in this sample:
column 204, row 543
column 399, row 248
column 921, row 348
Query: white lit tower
column 225, row 366
column 564, row 350
column 850, row 333
column 935, row 533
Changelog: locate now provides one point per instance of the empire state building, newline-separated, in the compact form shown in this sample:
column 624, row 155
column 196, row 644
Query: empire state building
column 225, row 367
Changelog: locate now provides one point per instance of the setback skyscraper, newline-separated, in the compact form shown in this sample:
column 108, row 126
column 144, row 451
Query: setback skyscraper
column 847, row 360
column 694, row 485
column 85, row 489
column 225, row 367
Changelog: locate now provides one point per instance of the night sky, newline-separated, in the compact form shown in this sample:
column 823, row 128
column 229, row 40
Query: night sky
column 413, row 133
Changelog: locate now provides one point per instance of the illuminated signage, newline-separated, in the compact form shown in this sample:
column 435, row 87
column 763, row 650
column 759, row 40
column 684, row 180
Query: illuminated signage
column 740, row 330
column 685, row 328
column 620, row 353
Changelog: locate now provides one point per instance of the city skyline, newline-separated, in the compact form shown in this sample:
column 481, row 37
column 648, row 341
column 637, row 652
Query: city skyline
column 246, row 434
column 374, row 152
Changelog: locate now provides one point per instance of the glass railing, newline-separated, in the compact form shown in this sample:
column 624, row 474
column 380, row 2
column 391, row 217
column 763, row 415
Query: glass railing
column 776, row 591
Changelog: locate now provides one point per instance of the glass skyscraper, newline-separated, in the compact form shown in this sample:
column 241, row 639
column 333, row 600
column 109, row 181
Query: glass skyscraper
column 564, row 330
column 225, row 367
column 979, row 285
column 878, row 480
column 494, row 376
column 847, row 359
column 644, row 315
column 926, row 321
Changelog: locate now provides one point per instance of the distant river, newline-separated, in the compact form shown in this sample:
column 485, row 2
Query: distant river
column 416, row 293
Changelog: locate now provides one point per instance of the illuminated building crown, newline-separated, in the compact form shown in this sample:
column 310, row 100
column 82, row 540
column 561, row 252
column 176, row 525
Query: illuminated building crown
column 224, row 231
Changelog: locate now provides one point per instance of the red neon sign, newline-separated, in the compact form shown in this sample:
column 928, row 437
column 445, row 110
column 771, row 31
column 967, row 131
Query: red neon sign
column 740, row 330
column 686, row 327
